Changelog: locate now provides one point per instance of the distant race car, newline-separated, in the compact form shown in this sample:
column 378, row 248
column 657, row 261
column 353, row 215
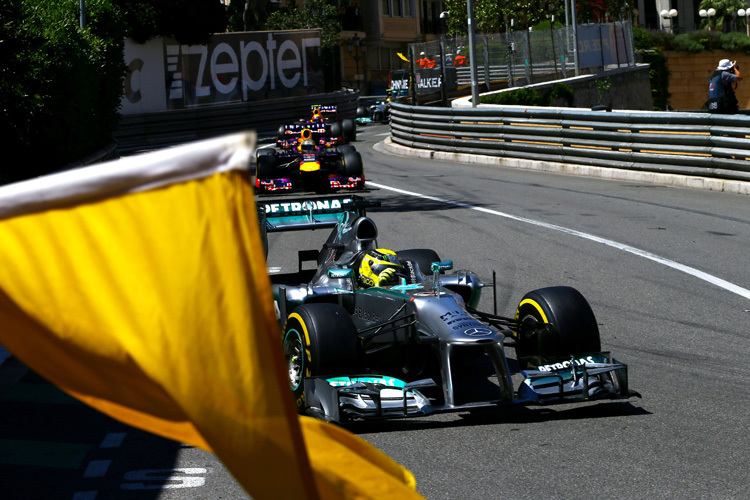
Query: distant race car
column 304, row 163
column 325, row 125
column 418, row 345
column 376, row 111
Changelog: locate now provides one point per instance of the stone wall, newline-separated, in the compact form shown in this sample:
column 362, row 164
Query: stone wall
column 688, row 78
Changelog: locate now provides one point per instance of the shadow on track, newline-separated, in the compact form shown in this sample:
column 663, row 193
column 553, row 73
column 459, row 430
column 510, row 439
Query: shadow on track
column 517, row 415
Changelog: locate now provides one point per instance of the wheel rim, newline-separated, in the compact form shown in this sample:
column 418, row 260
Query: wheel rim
column 294, row 352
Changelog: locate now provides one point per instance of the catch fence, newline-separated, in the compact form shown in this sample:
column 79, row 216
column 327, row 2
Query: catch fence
column 517, row 58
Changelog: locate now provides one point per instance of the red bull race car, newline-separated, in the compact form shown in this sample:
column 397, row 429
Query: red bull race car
column 306, row 164
column 325, row 126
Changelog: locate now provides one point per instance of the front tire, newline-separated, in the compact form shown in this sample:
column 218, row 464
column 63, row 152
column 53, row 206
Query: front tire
column 265, row 167
column 555, row 323
column 319, row 340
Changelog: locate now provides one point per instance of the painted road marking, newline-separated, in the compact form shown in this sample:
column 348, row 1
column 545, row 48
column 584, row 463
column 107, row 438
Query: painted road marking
column 714, row 280
column 85, row 495
column 165, row 478
column 113, row 440
column 97, row 468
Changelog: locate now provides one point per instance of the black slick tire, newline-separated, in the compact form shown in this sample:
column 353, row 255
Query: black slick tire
column 319, row 340
column 555, row 324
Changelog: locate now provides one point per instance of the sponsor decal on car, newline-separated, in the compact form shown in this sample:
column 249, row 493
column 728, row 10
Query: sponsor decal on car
column 346, row 381
column 566, row 364
column 306, row 206
column 366, row 315
column 407, row 287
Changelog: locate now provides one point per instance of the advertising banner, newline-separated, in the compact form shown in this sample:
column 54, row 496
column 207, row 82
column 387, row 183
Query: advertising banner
column 234, row 67
column 601, row 45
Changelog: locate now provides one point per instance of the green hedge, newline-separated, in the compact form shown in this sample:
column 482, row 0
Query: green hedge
column 693, row 42
column 61, row 85
column 523, row 96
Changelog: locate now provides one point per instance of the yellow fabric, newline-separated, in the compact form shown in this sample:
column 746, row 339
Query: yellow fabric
column 155, row 308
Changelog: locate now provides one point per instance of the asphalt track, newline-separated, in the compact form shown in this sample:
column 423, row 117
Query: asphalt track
column 664, row 269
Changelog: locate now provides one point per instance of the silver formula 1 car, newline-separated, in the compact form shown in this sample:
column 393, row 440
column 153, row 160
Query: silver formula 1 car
column 419, row 346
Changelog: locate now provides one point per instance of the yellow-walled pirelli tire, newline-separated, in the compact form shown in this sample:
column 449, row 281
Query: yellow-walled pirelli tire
column 555, row 323
column 319, row 339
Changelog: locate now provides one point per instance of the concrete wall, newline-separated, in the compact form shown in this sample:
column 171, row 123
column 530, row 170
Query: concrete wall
column 688, row 78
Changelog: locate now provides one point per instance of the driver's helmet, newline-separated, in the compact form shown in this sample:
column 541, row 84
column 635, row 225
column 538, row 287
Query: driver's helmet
column 378, row 268
column 308, row 146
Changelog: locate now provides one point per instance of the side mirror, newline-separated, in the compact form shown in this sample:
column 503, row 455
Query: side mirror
column 443, row 265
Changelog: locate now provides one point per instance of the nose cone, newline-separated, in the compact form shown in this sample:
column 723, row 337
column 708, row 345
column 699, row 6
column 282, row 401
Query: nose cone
column 447, row 318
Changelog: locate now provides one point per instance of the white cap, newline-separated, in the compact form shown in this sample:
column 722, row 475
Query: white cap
column 725, row 64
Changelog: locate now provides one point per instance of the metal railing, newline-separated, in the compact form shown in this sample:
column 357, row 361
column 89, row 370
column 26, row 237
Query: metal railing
column 698, row 144
column 518, row 58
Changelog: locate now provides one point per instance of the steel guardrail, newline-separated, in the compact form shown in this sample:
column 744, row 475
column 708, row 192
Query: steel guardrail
column 699, row 144
column 150, row 130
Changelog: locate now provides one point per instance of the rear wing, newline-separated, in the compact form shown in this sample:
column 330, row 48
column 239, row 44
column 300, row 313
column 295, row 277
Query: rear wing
column 293, row 214
column 329, row 111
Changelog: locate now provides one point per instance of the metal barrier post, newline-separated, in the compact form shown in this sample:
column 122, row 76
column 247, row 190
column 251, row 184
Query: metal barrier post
column 472, row 55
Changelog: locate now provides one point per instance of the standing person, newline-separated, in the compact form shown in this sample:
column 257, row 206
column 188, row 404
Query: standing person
column 721, row 85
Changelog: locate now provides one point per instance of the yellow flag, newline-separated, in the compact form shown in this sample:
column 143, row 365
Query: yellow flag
column 139, row 286
column 399, row 54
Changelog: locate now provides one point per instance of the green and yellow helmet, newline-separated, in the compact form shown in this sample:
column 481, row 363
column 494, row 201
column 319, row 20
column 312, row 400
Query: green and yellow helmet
column 373, row 263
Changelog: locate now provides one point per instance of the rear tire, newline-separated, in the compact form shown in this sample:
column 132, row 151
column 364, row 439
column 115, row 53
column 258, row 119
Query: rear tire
column 349, row 129
column 264, row 152
column 336, row 130
column 571, row 326
column 281, row 132
column 345, row 147
column 353, row 164
column 319, row 340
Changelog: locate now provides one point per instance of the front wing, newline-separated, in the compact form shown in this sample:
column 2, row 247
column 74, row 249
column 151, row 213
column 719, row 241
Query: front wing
column 370, row 397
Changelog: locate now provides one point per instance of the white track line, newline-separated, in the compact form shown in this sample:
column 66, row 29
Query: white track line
column 730, row 287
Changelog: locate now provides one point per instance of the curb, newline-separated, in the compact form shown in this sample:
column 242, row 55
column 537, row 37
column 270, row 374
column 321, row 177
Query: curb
column 617, row 174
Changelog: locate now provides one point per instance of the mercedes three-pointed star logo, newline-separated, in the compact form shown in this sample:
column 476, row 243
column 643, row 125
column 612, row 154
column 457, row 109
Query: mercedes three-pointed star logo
column 477, row 332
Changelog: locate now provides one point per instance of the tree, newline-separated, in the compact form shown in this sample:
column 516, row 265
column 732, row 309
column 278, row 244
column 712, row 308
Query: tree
column 191, row 22
column 61, row 85
column 313, row 14
column 726, row 10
